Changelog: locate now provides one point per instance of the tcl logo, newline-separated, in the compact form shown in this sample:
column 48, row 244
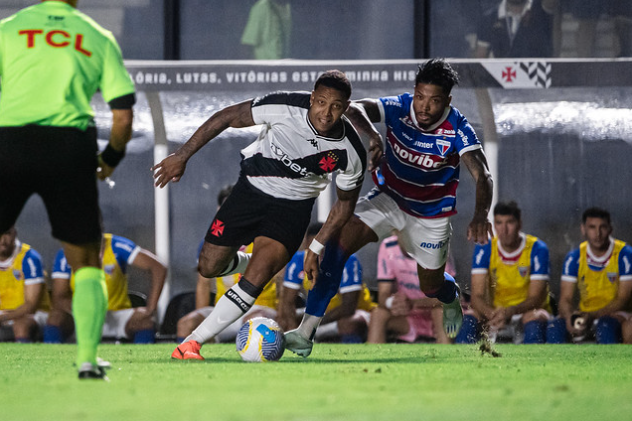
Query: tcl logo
column 55, row 38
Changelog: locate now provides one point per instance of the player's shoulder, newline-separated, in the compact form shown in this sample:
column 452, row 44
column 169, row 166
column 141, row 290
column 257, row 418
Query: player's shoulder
column 299, row 99
column 397, row 102
column 572, row 255
column 32, row 255
column 122, row 243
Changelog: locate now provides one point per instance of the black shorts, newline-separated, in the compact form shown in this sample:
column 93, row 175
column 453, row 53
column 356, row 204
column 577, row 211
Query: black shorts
column 59, row 164
column 248, row 213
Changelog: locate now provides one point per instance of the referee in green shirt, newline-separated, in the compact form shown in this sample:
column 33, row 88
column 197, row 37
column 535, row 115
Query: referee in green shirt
column 53, row 59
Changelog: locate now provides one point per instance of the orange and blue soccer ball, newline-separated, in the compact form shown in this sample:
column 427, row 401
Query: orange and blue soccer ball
column 259, row 340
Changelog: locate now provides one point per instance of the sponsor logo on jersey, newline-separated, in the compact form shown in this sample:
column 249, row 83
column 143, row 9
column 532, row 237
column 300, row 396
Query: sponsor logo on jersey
column 433, row 246
column 313, row 142
column 464, row 138
column 446, row 132
column 217, row 228
column 443, row 146
column 285, row 159
column 421, row 159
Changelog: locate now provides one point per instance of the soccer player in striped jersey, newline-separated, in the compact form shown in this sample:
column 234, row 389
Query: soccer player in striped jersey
column 304, row 139
column 601, row 269
column 416, row 180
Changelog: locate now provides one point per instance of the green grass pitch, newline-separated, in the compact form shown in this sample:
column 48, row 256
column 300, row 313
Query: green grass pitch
column 337, row 382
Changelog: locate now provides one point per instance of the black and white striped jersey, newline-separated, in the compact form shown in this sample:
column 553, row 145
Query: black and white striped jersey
column 290, row 160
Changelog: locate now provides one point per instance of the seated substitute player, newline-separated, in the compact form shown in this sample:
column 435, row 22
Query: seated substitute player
column 601, row 269
column 24, row 301
column 415, row 193
column 346, row 317
column 264, row 306
column 510, row 278
column 304, row 139
column 403, row 309
column 121, row 320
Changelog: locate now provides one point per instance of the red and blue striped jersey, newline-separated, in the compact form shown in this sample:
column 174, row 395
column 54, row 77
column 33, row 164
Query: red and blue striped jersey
column 421, row 169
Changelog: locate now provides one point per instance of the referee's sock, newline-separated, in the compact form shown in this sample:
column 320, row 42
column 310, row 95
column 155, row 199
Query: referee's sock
column 230, row 307
column 89, row 305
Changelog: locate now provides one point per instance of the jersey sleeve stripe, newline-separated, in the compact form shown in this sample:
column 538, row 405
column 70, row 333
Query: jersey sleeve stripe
column 292, row 285
column 351, row 288
column 470, row 148
column 479, row 271
column 567, row 278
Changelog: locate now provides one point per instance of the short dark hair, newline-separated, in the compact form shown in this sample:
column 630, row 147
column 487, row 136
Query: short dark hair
column 224, row 193
column 335, row 79
column 508, row 208
column 438, row 72
column 596, row 212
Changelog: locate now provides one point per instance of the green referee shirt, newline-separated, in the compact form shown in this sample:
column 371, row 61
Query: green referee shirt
column 53, row 58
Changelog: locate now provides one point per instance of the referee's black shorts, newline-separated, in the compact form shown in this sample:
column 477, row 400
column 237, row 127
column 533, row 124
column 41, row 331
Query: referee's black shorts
column 59, row 164
column 249, row 213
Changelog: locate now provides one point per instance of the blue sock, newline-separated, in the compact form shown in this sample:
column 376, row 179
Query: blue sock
column 145, row 336
column 470, row 331
column 448, row 291
column 535, row 332
column 352, row 338
column 329, row 277
column 52, row 335
column 608, row 331
column 179, row 340
column 556, row 331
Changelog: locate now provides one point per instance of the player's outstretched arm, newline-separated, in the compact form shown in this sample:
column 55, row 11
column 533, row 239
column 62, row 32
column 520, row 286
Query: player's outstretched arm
column 172, row 167
column 362, row 114
column 120, row 134
column 480, row 229
column 340, row 213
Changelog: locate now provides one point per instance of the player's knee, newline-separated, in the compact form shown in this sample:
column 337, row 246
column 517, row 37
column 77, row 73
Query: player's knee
column 556, row 331
column 608, row 330
column 535, row 332
column 470, row 331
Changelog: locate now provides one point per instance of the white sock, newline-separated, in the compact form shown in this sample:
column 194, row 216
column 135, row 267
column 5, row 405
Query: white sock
column 238, row 265
column 308, row 326
column 231, row 306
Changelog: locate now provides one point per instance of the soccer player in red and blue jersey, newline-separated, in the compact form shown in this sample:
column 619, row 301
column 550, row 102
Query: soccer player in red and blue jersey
column 416, row 178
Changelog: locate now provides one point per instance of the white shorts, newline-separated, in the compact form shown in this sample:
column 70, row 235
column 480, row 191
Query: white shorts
column 115, row 322
column 230, row 332
column 425, row 239
column 6, row 328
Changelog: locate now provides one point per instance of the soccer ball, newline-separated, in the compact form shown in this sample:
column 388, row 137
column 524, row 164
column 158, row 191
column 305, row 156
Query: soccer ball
column 259, row 340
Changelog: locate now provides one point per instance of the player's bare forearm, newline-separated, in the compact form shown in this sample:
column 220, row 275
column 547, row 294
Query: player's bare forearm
column 146, row 260
column 358, row 116
column 480, row 229
column 339, row 215
column 346, row 309
column 172, row 167
column 121, row 131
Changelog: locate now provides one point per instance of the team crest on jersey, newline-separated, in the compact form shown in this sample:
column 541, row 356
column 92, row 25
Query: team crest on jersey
column 108, row 269
column 612, row 277
column 443, row 146
column 17, row 274
column 523, row 271
column 328, row 163
column 217, row 229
